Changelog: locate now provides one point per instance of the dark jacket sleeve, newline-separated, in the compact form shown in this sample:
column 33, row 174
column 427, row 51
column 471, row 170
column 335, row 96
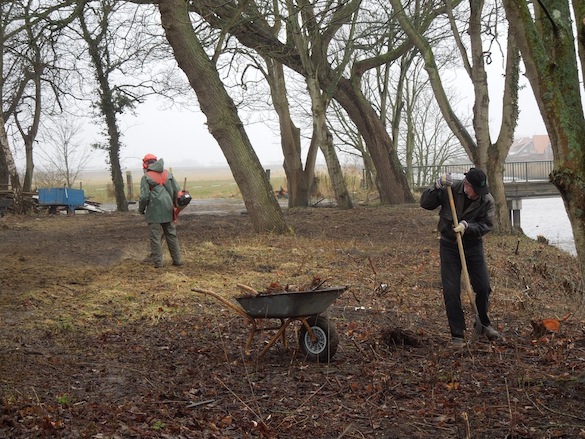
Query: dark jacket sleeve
column 432, row 198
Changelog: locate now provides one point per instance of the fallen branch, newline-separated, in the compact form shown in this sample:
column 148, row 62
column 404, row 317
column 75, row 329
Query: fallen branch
column 247, row 289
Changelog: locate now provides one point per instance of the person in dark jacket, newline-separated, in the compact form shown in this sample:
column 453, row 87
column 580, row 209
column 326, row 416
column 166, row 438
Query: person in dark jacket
column 158, row 192
column 475, row 212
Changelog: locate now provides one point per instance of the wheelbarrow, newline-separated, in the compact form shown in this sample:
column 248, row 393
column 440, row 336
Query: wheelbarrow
column 318, row 338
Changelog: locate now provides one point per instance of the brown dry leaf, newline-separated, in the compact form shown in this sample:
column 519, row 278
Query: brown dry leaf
column 454, row 385
column 546, row 326
column 553, row 325
column 227, row 420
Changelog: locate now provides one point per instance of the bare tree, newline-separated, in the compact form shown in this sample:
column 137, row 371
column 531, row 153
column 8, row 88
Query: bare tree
column 299, row 178
column 253, row 30
column 27, row 29
column 122, row 45
column 244, row 64
column 304, row 27
column 63, row 156
column 484, row 153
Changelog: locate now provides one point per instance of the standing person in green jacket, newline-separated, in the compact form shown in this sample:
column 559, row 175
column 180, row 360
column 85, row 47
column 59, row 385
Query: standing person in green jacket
column 158, row 194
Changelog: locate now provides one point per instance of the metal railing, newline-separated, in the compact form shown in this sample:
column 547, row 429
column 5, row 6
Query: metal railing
column 514, row 172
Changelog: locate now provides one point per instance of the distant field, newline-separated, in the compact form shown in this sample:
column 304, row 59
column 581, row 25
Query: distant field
column 204, row 182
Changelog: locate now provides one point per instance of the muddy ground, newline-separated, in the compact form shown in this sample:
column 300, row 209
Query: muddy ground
column 97, row 343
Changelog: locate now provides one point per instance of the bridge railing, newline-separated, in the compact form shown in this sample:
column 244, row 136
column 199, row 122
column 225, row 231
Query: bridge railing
column 514, row 172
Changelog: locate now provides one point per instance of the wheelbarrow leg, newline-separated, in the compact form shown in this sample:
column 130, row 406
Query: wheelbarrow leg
column 309, row 329
column 282, row 337
column 279, row 333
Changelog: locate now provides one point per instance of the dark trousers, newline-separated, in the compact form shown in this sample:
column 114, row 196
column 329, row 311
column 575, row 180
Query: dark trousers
column 451, row 278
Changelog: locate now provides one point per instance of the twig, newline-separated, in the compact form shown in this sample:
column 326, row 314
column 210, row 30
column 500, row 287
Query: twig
column 311, row 396
column 465, row 417
column 358, row 347
column 509, row 402
column 321, row 283
column 345, row 430
column 372, row 267
column 190, row 404
column 197, row 404
column 241, row 401
column 554, row 411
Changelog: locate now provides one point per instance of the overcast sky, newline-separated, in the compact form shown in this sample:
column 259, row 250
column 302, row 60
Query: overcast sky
column 182, row 139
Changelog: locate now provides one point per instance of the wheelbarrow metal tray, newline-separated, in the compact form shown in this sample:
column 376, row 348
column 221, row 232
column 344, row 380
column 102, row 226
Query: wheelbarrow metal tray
column 290, row 304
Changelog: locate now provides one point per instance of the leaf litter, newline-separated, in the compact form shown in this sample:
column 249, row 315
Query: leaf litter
column 97, row 343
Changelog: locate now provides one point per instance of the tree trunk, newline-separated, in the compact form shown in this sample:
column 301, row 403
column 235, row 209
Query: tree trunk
column 498, row 151
column 298, row 180
column 546, row 42
column 390, row 178
column 28, row 175
column 30, row 137
column 107, row 108
column 494, row 170
column 17, row 201
column 342, row 196
column 222, row 118
column 4, row 175
column 115, row 168
column 325, row 141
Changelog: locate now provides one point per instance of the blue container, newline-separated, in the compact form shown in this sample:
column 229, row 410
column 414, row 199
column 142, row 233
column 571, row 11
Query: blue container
column 62, row 197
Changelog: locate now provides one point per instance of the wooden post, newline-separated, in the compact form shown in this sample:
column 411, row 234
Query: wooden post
column 129, row 187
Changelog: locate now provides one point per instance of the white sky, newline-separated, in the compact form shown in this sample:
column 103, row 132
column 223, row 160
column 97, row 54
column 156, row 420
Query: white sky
column 182, row 139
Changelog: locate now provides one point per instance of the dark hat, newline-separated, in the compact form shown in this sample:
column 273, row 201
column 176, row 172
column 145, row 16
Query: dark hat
column 476, row 178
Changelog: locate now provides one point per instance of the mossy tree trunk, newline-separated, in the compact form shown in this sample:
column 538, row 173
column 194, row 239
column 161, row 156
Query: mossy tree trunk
column 546, row 39
column 108, row 104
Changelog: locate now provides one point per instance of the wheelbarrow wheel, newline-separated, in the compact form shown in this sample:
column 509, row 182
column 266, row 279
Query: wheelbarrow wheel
column 323, row 348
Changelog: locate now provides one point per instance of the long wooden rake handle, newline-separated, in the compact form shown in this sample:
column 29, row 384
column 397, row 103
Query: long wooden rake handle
column 464, row 271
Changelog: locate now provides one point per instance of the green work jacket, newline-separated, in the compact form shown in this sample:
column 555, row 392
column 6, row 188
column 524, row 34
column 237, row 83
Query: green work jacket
column 157, row 194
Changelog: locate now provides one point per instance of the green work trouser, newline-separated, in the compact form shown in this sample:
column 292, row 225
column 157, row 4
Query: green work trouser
column 170, row 233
